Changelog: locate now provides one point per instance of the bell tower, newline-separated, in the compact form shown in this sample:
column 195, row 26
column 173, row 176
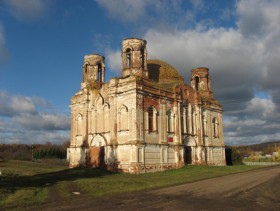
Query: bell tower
column 201, row 82
column 134, row 57
column 93, row 70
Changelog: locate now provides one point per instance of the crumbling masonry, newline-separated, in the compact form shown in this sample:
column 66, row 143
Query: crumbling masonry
column 146, row 120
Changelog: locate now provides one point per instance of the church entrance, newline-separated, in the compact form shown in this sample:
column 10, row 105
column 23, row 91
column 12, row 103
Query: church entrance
column 188, row 154
column 96, row 156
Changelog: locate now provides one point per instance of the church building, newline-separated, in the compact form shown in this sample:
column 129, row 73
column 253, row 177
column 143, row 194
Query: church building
column 146, row 120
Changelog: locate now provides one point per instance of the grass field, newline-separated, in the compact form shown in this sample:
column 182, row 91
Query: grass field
column 24, row 183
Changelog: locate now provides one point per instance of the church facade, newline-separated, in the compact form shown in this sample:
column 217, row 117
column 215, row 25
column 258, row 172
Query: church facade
column 146, row 120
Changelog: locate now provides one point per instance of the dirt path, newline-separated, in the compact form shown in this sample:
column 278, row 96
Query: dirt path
column 253, row 190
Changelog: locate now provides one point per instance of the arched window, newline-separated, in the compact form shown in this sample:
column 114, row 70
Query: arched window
column 194, row 126
column 106, row 111
column 79, row 121
column 123, row 118
column 196, row 79
column 184, row 119
column 152, row 119
column 205, row 127
column 85, row 69
column 92, row 119
column 142, row 57
column 99, row 72
column 215, row 126
column 170, row 121
column 128, row 57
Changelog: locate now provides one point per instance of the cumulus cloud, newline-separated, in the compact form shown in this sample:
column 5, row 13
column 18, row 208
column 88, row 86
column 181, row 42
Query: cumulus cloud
column 257, row 122
column 28, row 9
column 257, row 17
column 26, row 119
column 241, row 59
column 114, row 60
column 262, row 107
column 224, row 51
column 34, row 137
column 144, row 13
column 12, row 105
column 125, row 10
column 43, row 121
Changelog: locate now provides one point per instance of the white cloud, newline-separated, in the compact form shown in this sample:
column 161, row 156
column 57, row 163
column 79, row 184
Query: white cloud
column 247, row 140
column 234, row 62
column 36, row 137
column 12, row 105
column 197, row 4
column 21, row 121
column 43, row 121
column 260, row 107
column 27, row 9
column 241, row 59
column 144, row 13
column 124, row 10
column 257, row 122
column 257, row 17
column 114, row 60
column 22, row 104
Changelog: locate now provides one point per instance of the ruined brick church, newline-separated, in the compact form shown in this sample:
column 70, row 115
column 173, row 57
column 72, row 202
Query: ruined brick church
column 147, row 119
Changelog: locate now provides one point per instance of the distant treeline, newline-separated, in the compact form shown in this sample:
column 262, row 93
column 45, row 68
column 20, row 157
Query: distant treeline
column 266, row 148
column 235, row 154
column 33, row 152
column 54, row 151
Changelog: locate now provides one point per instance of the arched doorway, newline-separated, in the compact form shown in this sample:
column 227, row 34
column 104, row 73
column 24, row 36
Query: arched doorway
column 189, row 146
column 188, row 154
column 96, row 152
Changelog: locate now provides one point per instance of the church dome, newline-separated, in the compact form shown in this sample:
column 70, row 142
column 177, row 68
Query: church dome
column 163, row 72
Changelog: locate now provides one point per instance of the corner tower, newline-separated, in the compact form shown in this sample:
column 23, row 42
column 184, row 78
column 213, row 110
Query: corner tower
column 201, row 82
column 93, row 70
column 134, row 57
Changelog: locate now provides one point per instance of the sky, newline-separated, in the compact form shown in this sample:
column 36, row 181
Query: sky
column 42, row 45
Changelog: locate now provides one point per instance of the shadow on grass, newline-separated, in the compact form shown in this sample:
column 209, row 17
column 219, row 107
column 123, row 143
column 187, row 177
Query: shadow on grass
column 12, row 183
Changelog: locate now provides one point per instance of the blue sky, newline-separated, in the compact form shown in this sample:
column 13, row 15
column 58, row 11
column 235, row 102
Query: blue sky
column 42, row 44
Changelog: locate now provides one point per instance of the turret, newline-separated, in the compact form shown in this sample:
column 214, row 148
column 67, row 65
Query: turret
column 134, row 57
column 201, row 82
column 93, row 70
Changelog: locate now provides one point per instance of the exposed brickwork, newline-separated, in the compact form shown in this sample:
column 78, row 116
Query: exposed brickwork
column 146, row 120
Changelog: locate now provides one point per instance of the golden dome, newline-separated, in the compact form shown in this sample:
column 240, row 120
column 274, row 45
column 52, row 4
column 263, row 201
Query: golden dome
column 163, row 72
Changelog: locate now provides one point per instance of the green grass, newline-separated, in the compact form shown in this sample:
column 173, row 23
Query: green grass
column 28, row 183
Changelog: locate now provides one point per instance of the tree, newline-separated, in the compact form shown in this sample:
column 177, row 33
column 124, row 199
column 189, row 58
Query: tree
column 257, row 158
column 278, row 153
column 251, row 156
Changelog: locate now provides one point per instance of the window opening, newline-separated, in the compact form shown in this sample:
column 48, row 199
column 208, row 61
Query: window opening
column 128, row 57
column 150, row 119
column 123, row 118
column 142, row 56
column 79, row 124
column 215, row 127
column 192, row 120
column 99, row 73
column 170, row 121
column 196, row 83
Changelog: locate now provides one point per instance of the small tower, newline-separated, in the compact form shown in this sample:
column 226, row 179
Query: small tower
column 201, row 82
column 134, row 57
column 93, row 70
